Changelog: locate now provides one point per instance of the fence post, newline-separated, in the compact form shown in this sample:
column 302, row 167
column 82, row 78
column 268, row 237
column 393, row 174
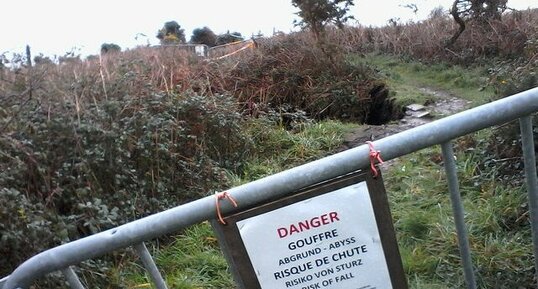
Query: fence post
column 529, row 159
column 149, row 264
column 457, row 209
column 72, row 278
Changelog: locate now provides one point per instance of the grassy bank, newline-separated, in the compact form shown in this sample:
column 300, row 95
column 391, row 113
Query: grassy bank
column 405, row 78
column 496, row 218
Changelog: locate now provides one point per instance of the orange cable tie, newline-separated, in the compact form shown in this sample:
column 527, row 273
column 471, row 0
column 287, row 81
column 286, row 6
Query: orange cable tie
column 222, row 196
column 374, row 155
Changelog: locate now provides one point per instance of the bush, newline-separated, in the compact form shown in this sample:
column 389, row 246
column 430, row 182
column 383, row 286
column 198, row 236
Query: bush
column 228, row 37
column 509, row 78
column 88, row 145
column 110, row 48
column 65, row 177
column 291, row 71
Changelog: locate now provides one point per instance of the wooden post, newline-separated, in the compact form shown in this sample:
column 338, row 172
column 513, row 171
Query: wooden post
column 28, row 56
column 29, row 71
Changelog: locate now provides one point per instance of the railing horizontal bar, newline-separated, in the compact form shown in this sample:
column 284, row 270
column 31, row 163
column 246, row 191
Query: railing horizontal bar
column 72, row 278
column 3, row 281
column 459, row 214
column 529, row 159
column 149, row 264
column 277, row 185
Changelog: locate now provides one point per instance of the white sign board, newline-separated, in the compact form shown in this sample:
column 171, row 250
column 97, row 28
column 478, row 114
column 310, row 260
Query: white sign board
column 329, row 241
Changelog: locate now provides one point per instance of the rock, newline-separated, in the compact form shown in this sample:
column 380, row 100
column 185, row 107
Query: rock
column 423, row 114
column 415, row 107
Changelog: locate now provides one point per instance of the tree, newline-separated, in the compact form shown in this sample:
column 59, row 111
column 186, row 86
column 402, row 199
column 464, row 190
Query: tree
column 171, row 33
column 316, row 14
column 229, row 38
column 3, row 60
column 480, row 11
column 110, row 48
column 204, row 36
column 42, row 60
column 437, row 13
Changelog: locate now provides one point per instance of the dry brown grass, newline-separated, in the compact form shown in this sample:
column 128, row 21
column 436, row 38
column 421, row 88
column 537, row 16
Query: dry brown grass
column 292, row 71
column 289, row 71
column 426, row 40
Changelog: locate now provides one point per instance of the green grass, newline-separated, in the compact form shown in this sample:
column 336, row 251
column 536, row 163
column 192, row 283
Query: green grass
column 278, row 149
column 405, row 77
column 194, row 259
column 496, row 218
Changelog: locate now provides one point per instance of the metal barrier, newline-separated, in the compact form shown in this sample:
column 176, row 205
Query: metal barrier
column 441, row 132
column 229, row 49
column 194, row 49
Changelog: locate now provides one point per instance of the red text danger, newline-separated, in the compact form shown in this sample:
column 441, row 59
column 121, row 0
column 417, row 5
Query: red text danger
column 308, row 224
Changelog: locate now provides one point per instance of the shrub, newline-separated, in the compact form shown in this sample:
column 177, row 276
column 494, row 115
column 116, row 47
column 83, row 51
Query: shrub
column 66, row 176
column 110, row 48
column 291, row 71
column 509, row 77
column 229, row 38
column 88, row 145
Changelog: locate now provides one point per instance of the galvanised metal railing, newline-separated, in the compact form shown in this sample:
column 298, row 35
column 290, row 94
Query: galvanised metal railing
column 440, row 132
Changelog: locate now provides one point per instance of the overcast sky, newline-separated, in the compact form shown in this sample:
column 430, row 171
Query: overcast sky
column 58, row 26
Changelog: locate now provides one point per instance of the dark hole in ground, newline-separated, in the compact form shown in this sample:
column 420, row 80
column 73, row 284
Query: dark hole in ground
column 382, row 107
column 379, row 109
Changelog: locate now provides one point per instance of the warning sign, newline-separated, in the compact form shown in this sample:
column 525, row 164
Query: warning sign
column 323, row 242
column 329, row 240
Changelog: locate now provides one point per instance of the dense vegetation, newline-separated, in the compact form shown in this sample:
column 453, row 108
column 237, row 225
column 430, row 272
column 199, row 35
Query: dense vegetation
column 88, row 145
column 502, row 51
column 500, row 57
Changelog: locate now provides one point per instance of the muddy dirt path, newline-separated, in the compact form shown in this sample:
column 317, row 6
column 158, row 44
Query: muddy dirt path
column 445, row 104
